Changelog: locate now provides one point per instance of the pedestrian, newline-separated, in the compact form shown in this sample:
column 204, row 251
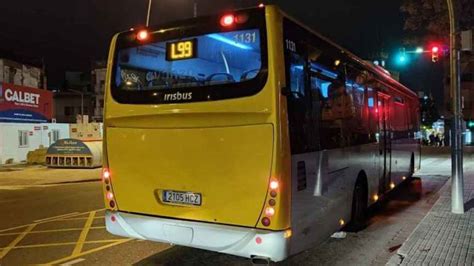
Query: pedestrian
column 436, row 140
column 432, row 139
column 441, row 140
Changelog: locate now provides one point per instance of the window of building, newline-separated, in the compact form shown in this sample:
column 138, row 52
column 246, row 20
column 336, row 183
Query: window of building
column 69, row 111
column 23, row 138
column 54, row 135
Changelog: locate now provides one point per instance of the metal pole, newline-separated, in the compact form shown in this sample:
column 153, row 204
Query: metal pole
column 457, row 183
column 82, row 105
column 148, row 13
column 195, row 8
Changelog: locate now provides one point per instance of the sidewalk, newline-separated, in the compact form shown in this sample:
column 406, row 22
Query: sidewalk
column 23, row 175
column 443, row 238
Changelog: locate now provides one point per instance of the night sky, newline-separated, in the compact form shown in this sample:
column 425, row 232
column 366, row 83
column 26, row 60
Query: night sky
column 70, row 34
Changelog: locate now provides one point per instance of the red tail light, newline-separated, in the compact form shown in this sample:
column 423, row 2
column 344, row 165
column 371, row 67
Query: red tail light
column 106, row 175
column 266, row 221
column 142, row 35
column 227, row 20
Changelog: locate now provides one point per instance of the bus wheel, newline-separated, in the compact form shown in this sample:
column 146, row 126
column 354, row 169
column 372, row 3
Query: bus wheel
column 359, row 207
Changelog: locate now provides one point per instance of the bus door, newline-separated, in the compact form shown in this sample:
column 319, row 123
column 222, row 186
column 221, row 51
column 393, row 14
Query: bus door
column 385, row 144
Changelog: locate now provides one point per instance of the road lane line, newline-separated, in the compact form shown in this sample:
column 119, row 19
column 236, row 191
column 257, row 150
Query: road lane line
column 56, row 217
column 83, row 236
column 53, row 231
column 89, row 252
column 67, row 244
column 80, row 218
column 73, row 262
column 25, row 225
column 16, row 241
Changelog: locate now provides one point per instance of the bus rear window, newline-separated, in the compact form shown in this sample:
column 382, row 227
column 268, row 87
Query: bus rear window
column 195, row 61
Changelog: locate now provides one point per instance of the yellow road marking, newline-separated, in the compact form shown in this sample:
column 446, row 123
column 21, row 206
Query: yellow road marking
column 13, row 228
column 16, row 241
column 83, row 236
column 88, row 252
column 21, row 226
column 56, row 217
column 79, row 218
column 66, row 244
column 53, row 231
column 72, row 262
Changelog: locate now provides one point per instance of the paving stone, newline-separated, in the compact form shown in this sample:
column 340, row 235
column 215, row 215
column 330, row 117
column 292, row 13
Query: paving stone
column 443, row 238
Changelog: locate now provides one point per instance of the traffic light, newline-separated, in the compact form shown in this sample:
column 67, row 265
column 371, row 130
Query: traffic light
column 402, row 58
column 470, row 124
column 435, row 54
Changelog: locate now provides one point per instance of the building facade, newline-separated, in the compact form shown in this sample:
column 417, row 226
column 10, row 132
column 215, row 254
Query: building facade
column 17, row 139
column 98, row 83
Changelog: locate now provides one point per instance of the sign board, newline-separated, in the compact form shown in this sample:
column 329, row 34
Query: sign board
column 25, row 104
column 466, row 40
column 69, row 147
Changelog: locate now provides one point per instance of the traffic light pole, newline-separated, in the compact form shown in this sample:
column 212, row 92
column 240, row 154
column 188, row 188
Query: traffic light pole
column 457, row 183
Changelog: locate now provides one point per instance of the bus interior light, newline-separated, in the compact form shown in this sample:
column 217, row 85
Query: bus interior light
column 227, row 20
column 142, row 35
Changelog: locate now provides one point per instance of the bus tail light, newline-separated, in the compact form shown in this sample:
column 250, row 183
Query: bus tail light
column 142, row 35
column 266, row 221
column 274, row 184
column 227, row 20
column 109, row 195
column 269, row 211
column 106, row 175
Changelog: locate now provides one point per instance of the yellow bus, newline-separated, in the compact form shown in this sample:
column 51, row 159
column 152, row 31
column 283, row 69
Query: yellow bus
column 249, row 134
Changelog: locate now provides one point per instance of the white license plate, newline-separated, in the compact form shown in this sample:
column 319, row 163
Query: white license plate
column 177, row 197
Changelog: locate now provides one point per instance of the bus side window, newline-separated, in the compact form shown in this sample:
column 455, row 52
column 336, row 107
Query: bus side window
column 298, row 105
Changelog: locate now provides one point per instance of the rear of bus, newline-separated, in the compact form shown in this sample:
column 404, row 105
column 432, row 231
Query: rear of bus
column 194, row 153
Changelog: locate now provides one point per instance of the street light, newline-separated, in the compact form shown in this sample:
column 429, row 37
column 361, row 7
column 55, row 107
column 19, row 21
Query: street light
column 419, row 50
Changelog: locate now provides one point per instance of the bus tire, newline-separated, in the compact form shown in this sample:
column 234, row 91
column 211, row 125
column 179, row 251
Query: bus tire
column 359, row 207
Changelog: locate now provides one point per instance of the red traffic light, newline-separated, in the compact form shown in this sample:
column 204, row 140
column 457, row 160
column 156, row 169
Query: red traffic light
column 435, row 49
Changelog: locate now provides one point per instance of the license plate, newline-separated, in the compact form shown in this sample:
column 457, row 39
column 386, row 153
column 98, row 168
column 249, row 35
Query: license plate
column 186, row 198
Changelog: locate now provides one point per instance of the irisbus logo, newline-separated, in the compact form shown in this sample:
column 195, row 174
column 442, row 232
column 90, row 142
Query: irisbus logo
column 178, row 96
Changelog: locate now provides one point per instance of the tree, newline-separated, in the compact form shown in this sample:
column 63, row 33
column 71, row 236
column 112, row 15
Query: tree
column 428, row 20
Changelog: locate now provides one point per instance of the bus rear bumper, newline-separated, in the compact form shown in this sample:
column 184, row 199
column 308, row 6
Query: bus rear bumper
column 240, row 241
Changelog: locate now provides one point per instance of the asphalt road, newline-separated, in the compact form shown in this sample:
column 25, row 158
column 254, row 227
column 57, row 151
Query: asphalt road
column 64, row 224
